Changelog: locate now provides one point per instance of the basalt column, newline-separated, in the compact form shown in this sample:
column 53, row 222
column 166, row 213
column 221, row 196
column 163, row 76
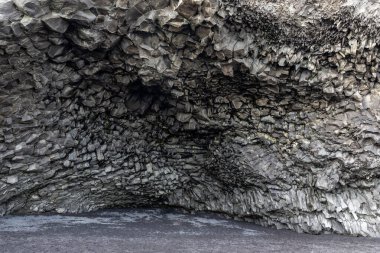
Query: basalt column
column 263, row 110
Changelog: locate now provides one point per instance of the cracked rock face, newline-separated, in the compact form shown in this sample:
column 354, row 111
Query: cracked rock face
column 264, row 110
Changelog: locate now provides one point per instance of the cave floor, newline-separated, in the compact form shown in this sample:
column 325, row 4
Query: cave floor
column 161, row 230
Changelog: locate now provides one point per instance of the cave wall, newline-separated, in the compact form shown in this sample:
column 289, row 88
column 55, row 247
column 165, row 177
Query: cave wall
column 263, row 110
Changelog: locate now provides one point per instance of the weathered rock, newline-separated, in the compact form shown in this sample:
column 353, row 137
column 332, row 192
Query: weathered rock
column 31, row 8
column 250, row 108
column 54, row 51
column 55, row 23
column 12, row 179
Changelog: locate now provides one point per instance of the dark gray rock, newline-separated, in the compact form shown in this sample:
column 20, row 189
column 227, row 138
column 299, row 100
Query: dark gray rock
column 264, row 110
column 55, row 51
column 31, row 8
column 56, row 23
column 83, row 17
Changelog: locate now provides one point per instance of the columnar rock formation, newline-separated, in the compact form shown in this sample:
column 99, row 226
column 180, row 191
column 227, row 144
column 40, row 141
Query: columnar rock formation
column 265, row 110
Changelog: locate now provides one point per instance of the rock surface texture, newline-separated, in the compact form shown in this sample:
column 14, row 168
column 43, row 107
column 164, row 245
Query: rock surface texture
column 264, row 110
